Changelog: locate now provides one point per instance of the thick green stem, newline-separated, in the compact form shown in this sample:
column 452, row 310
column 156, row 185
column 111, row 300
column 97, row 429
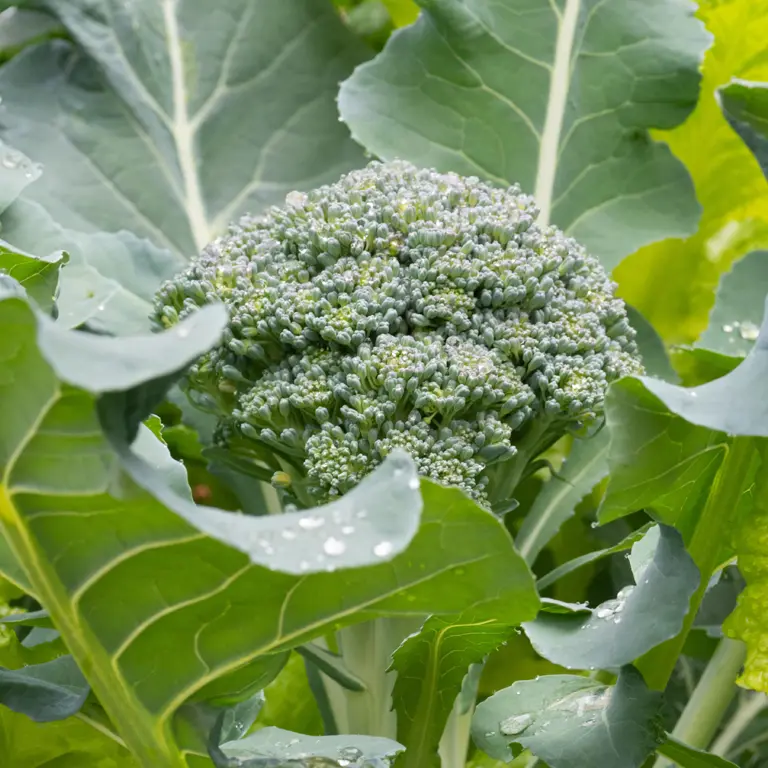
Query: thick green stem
column 705, row 548
column 367, row 652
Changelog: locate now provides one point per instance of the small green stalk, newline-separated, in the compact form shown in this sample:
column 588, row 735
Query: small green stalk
column 752, row 705
column 711, row 697
column 705, row 548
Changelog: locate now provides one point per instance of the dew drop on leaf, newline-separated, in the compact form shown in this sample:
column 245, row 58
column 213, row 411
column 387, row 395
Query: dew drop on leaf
column 334, row 547
column 288, row 534
column 382, row 549
column 311, row 522
column 749, row 331
column 515, row 724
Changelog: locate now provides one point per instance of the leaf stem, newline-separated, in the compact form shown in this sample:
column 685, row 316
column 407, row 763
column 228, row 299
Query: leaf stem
column 711, row 697
column 705, row 548
column 747, row 711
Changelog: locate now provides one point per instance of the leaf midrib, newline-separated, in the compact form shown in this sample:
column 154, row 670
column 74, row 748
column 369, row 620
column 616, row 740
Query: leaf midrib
column 553, row 123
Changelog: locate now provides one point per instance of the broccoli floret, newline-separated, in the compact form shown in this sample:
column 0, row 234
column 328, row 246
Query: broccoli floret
column 400, row 307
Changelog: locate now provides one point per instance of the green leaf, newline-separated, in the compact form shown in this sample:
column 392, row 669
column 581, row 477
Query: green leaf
column 656, row 459
column 38, row 275
column 590, row 557
column 745, row 106
column 111, row 278
column 431, row 666
column 557, row 97
column 45, row 692
column 673, row 282
column 735, row 320
column 619, row 631
column 31, row 619
column 690, row 757
column 585, row 466
column 153, row 124
column 733, row 403
column 120, row 572
column 70, row 743
column 572, row 722
column 17, row 172
column 285, row 745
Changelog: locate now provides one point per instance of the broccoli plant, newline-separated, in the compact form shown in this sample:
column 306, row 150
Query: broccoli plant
column 402, row 308
column 369, row 398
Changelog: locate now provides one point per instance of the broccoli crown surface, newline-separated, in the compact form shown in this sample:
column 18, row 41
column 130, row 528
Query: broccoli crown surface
column 400, row 307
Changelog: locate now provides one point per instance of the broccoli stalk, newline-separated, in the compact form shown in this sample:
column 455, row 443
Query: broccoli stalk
column 401, row 308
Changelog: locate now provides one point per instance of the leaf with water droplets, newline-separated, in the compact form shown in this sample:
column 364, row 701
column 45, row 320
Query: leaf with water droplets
column 734, row 323
column 572, row 722
column 734, row 404
column 276, row 743
column 621, row 630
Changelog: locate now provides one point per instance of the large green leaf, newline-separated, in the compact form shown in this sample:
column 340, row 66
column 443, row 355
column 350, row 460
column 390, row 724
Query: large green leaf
column 585, row 466
column 619, row 631
column 556, row 96
column 111, row 278
column 39, row 276
column 120, row 572
column 673, row 282
column 572, row 722
column 431, row 666
column 174, row 118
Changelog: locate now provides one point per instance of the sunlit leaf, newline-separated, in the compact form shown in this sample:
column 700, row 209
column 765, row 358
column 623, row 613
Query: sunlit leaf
column 557, row 97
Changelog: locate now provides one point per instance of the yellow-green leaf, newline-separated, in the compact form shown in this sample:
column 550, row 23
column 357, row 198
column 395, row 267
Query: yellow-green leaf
column 673, row 282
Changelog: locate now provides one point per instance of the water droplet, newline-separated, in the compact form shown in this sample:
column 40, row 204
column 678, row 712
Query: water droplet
column 413, row 483
column 182, row 332
column 350, row 753
column 728, row 328
column 311, row 522
column 606, row 610
column 490, row 734
column 101, row 307
column 594, row 524
column 625, row 592
column 12, row 159
column 334, row 546
column 383, row 548
column 288, row 534
column 749, row 331
column 692, row 394
column 348, row 529
column 515, row 724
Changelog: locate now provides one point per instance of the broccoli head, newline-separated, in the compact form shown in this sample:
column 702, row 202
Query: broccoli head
column 401, row 307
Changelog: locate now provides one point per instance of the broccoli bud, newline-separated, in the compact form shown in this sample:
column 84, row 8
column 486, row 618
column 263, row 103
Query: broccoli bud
column 403, row 308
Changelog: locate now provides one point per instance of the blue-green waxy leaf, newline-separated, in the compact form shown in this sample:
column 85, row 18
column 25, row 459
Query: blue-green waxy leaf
column 174, row 85
column 431, row 666
column 282, row 745
column 641, row 617
column 111, row 278
column 17, row 171
column 734, row 323
column 572, row 722
column 44, row 692
column 124, row 571
column 745, row 106
column 555, row 96
column 31, row 619
column 734, row 404
column 652, row 351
